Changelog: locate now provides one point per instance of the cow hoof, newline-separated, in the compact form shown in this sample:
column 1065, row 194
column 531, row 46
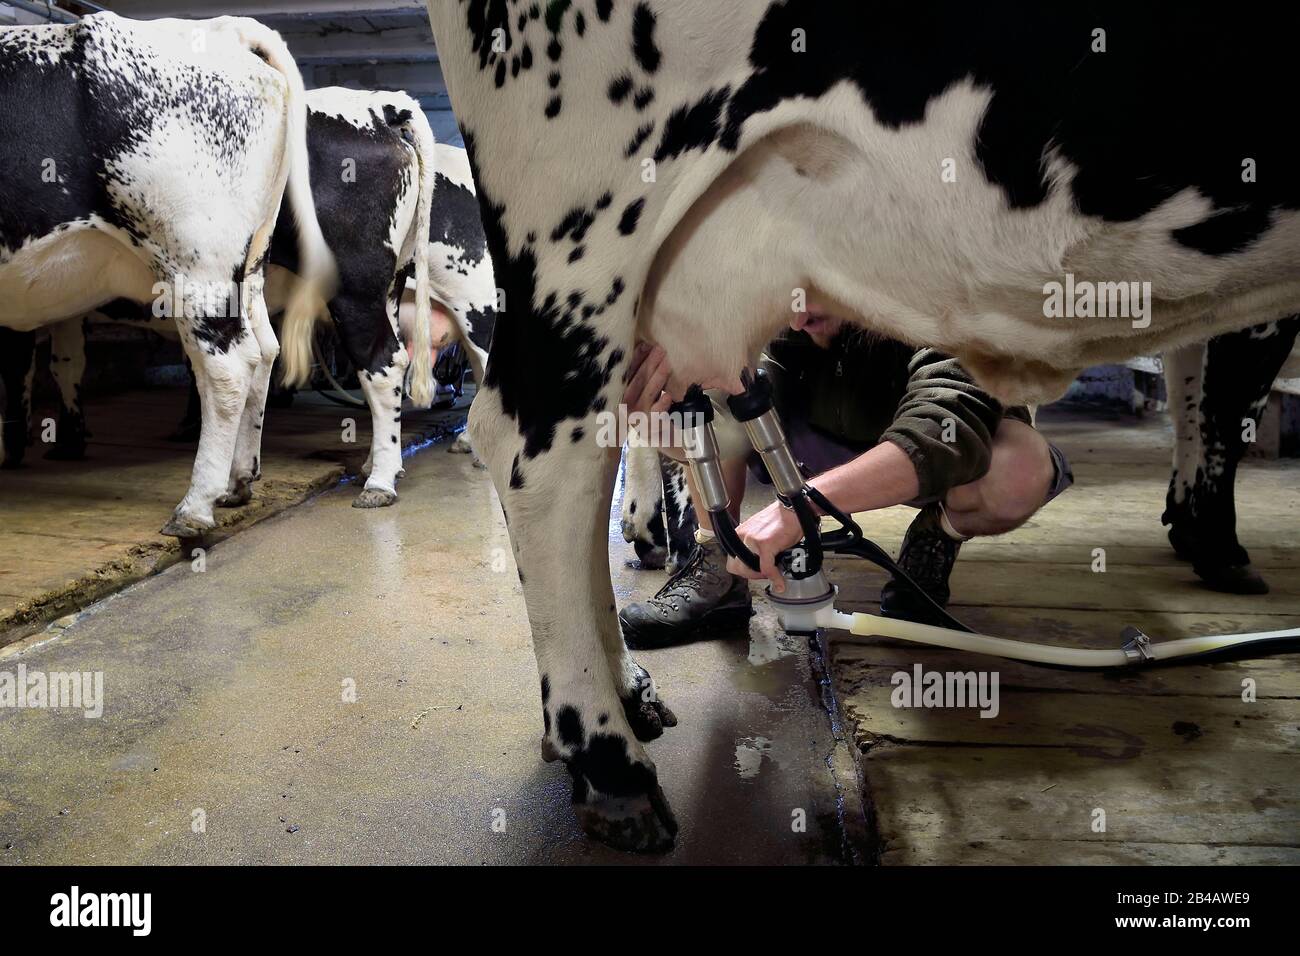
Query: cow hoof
column 635, row 824
column 183, row 526
column 479, row 464
column 461, row 446
column 647, row 718
column 241, row 496
column 549, row 753
column 652, row 557
column 1238, row 579
column 66, row 453
column 375, row 498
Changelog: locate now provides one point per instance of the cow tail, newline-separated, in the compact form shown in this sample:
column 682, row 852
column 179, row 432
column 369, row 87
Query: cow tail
column 422, row 386
column 317, row 273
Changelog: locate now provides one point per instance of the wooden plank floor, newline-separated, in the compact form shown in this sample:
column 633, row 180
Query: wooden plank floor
column 1163, row 766
column 73, row 532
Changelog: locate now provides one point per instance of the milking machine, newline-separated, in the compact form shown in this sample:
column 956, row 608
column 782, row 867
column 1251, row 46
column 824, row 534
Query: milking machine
column 808, row 602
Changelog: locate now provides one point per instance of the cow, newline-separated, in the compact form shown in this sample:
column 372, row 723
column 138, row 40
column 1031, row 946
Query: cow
column 449, row 266
column 461, row 277
column 380, row 182
column 147, row 161
column 1217, row 395
column 688, row 173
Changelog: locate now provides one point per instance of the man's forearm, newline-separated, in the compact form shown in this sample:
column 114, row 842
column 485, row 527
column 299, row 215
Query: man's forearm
column 879, row 478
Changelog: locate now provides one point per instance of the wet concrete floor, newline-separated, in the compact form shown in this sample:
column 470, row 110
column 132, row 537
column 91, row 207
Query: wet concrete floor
column 72, row 532
column 344, row 686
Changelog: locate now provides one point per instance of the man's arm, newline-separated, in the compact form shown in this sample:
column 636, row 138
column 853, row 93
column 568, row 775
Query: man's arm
column 878, row 478
column 941, row 437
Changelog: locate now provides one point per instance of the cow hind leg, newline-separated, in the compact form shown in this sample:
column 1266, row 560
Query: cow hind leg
column 68, row 368
column 1184, row 373
column 1239, row 371
column 643, row 506
column 225, row 358
column 555, row 502
column 17, row 371
column 679, row 513
column 369, row 335
column 246, row 464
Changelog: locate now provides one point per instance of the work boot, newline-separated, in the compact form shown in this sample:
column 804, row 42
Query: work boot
column 927, row 555
column 703, row 594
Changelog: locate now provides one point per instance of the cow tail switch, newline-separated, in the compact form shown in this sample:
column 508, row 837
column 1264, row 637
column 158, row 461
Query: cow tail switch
column 808, row 603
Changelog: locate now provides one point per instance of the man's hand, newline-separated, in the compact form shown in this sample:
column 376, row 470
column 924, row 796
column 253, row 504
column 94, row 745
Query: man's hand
column 767, row 534
column 647, row 374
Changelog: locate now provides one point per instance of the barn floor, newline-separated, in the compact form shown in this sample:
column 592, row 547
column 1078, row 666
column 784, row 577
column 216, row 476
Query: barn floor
column 1184, row 770
column 224, row 696
column 227, row 737
column 73, row 532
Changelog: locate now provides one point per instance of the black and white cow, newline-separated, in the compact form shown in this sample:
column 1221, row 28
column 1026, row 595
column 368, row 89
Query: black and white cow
column 373, row 181
column 147, row 161
column 460, row 278
column 1217, row 395
column 449, row 265
column 685, row 171
column 380, row 182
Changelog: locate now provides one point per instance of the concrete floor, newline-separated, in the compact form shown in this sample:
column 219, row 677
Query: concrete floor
column 72, row 532
column 225, row 710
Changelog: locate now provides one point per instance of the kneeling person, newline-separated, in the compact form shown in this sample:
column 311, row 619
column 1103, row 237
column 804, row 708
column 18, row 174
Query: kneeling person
column 872, row 423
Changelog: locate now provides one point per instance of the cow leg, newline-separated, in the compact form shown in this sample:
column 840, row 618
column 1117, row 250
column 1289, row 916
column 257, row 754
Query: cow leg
column 246, row 465
column 556, row 503
column 225, row 359
column 1239, row 371
column 370, row 337
column 18, row 372
column 1184, row 373
column 643, row 521
column 679, row 513
column 68, row 367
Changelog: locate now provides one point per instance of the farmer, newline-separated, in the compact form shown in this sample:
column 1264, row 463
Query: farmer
column 872, row 423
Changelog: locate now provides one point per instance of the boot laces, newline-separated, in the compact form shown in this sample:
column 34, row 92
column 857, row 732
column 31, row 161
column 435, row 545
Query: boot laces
column 695, row 576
